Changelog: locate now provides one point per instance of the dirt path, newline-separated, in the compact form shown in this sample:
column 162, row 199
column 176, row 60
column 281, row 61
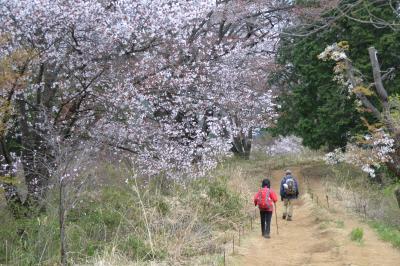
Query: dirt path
column 316, row 236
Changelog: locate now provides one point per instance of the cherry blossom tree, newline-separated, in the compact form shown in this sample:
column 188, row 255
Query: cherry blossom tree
column 194, row 102
column 383, row 139
column 285, row 145
column 172, row 83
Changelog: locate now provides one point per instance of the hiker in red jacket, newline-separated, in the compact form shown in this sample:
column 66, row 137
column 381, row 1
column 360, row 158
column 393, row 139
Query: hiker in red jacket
column 265, row 198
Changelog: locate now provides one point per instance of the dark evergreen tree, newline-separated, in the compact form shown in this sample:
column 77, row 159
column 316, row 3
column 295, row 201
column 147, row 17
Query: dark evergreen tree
column 313, row 105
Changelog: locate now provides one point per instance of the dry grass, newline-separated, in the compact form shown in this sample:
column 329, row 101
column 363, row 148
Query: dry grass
column 357, row 192
column 194, row 234
column 161, row 222
column 195, row 226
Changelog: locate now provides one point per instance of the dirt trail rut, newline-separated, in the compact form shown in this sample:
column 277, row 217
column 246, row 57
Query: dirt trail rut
column 314, row 237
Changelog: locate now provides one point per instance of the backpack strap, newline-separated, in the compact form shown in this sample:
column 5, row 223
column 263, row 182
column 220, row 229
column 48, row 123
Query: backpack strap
column 259, row 196
column 267, row 197
column 285, row 179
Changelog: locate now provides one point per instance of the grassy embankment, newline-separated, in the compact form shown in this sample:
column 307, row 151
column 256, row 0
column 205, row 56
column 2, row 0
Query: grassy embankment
column 374, row 202
column 117, row 222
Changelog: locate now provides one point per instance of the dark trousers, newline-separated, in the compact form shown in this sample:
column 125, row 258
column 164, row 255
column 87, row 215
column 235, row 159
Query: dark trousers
column 265, row 222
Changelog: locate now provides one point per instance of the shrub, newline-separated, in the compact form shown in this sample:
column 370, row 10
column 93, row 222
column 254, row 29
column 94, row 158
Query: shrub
column 357, row 234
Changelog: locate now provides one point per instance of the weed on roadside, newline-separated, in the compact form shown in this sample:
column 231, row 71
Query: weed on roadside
column 357, row 235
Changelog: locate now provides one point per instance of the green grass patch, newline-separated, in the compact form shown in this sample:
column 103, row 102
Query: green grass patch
column 29, row 241
column 387, row 233
column 357, row 234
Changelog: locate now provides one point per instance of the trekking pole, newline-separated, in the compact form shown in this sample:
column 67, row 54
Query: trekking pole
column 276, row 220
column 224, row 257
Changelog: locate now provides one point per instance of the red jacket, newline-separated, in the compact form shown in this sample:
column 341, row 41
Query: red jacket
column 272, row 195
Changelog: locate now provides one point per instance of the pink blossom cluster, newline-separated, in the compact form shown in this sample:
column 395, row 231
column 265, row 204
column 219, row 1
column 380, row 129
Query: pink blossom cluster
column 169, row 82
column 285, row 145
column 373, row 151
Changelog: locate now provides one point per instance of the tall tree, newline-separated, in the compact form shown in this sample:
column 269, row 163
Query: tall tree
column 383, row 137
column 134, row 78
column 313, row 105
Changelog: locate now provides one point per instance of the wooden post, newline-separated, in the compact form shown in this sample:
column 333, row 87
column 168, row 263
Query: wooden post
column 327, row 200
column 365, row 210
column 224, row 257
column 233, row 244
column 397, row 194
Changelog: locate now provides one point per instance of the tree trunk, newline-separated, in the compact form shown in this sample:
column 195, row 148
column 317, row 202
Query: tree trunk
column 389, row 122
column 36, row 175
column 397, row 194
column 35, row 158
column 242, row 144
column 394, row 165
column 14, row 202
column 13, row 199
column 36, row 154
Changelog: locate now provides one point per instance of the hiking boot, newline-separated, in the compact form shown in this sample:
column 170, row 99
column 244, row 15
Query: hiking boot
column 284, row 217
column 267, row 236
column 289, row 218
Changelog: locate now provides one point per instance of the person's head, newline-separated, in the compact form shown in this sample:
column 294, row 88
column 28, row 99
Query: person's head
column 288, row 172
column 266, row 183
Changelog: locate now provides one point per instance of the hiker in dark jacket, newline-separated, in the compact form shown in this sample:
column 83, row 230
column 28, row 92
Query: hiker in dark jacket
column 265, row 199
column 289, row 191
